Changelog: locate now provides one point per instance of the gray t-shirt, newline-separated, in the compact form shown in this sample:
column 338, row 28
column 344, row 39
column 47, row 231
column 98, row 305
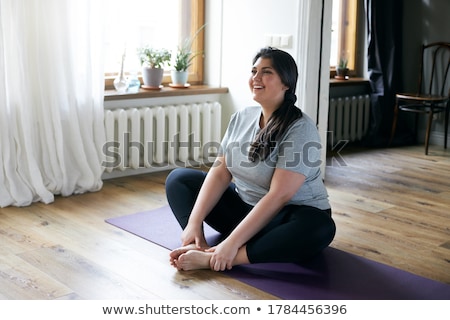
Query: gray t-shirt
column 298, row 151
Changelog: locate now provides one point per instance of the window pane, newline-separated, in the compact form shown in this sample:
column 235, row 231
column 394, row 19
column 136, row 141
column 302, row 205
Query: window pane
column 334, row 33
column 344, row 32
column 136, row 23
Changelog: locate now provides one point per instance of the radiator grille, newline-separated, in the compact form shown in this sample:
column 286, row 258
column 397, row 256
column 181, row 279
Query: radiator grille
column 159, row 136
column 348, row 118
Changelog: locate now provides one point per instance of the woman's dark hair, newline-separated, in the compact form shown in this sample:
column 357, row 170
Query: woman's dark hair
column 281, row 119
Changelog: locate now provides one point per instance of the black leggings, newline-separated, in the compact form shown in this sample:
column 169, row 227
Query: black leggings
column 295, row 234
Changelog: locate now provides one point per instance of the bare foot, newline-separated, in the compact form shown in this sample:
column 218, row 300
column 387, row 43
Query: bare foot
column 176, row 253
column 193, row 260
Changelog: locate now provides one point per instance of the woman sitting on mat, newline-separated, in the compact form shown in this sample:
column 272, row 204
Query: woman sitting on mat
column 264, row 193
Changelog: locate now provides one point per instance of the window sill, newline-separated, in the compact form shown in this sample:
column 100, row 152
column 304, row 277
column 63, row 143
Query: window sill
column 113, row 95
column 349, row 82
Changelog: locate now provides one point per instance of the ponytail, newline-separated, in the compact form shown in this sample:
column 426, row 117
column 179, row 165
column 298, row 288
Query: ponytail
column 277, row 125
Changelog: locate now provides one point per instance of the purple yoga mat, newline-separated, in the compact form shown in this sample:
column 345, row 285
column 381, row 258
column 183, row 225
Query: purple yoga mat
column 333, row 275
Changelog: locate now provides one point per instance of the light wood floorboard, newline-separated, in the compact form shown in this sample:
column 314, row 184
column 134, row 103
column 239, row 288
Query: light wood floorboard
column 390, row 205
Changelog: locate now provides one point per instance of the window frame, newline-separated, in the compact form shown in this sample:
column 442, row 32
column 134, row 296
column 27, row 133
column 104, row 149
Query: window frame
column 351, row 40
column 196, row 70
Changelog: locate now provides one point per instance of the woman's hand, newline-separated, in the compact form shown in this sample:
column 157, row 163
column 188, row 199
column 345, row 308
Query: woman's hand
column 215, row 184
column 193, row 233
column 223, row 256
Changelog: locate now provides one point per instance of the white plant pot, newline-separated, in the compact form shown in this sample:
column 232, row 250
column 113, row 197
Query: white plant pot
column 179, row 77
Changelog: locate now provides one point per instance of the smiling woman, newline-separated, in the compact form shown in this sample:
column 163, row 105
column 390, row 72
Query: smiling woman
column 264, row 193
column 158, row 24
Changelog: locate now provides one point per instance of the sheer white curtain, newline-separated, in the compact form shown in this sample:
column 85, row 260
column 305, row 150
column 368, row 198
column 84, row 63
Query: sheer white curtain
column 51, row 99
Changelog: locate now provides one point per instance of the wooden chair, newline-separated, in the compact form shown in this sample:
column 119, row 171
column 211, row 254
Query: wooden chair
column 433, row 91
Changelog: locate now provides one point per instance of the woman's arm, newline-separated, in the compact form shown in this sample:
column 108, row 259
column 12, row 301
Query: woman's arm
column 284, row 185
column 215, row 184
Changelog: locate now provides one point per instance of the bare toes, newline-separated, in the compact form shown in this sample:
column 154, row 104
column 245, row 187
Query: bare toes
column 174, row 254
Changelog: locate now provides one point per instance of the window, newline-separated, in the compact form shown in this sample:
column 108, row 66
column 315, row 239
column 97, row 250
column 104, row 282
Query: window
column 346, row 41
column 160, row 24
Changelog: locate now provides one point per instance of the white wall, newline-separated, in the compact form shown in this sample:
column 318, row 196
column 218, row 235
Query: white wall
column 235, row 31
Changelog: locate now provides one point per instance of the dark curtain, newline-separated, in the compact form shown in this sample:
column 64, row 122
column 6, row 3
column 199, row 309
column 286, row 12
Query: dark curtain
column 384, row 27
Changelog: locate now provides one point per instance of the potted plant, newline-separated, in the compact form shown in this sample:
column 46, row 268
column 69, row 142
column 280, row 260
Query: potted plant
column 152, row 61
column 183, row 59
column 342, row 69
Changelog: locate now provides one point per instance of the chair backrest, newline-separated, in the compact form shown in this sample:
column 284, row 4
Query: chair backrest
column 435, row 64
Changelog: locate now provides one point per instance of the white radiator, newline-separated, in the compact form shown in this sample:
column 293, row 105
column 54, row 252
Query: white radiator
column 161, row 136
column 348, row 118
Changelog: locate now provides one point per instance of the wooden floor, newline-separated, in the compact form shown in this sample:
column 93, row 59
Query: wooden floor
column 390, row 205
